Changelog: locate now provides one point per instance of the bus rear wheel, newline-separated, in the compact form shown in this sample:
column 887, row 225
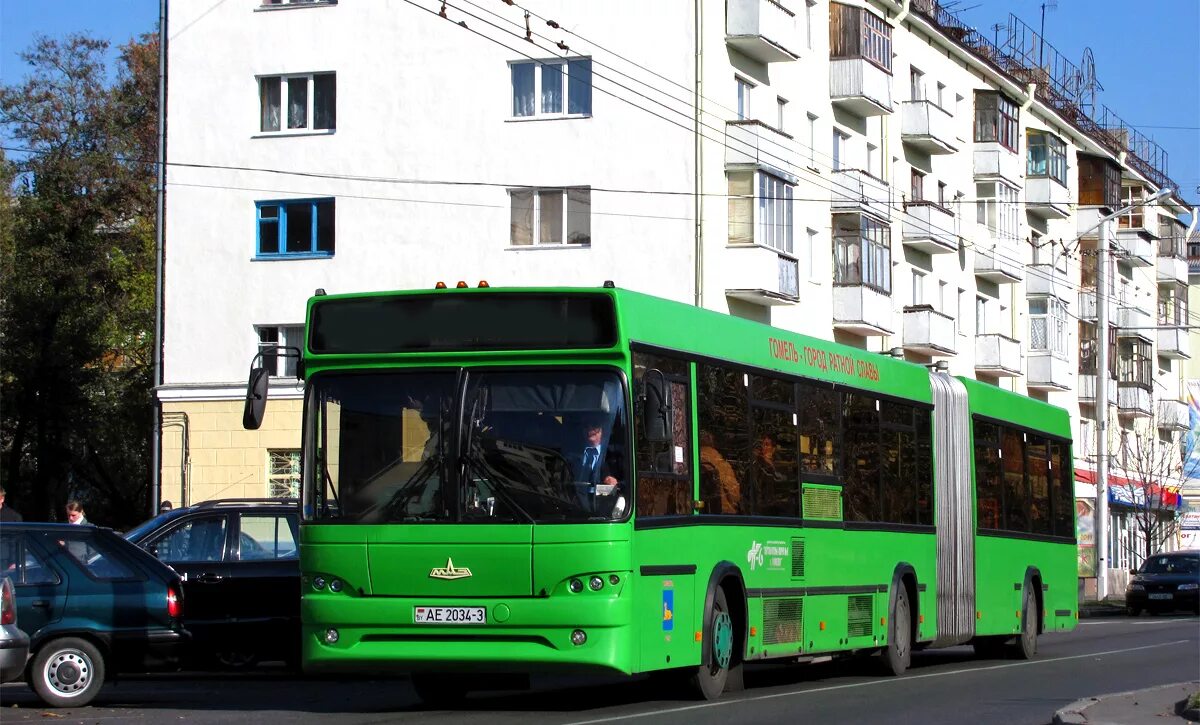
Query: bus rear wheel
column 1025, row 648
column 439, row 690
column 897, row 656
column 709, row 680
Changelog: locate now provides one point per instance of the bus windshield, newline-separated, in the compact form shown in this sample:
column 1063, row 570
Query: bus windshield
column 467, row 446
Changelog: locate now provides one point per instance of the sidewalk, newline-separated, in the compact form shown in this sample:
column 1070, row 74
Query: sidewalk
column 1157, row 705
column 1106, row 608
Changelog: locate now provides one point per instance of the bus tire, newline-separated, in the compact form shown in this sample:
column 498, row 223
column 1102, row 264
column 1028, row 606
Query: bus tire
column 708, row 680
column 439, row 690
column 1025, row 648
column 897, row 656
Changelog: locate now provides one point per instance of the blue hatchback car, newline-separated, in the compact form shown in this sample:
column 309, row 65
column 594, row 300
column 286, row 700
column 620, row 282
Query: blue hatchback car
column 92, row 604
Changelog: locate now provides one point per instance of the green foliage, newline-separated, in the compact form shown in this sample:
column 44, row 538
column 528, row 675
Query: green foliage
column 77, row 303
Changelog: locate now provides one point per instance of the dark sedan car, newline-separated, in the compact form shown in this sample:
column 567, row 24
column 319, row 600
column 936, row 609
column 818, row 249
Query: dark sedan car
column 93, row 605
column 240, row 565
column 1166, row 582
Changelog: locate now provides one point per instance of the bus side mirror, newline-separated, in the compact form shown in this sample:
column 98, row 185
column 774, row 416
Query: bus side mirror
column 656, row 407
column 256, row 398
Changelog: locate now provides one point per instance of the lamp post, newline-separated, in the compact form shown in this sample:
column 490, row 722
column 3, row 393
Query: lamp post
column 1102, row 367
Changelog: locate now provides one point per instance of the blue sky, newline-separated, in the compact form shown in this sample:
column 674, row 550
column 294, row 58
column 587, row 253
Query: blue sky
column 1147, row 53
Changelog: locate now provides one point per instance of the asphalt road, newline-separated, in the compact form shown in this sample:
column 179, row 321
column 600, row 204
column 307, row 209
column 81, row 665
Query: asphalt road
column 1101, row 656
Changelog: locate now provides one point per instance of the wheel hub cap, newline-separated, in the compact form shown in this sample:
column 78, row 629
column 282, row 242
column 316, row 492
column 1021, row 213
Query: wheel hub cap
column 69, row 672
column 722, row 639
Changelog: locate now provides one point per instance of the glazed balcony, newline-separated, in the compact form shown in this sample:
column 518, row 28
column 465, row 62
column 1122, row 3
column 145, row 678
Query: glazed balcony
column 928, row 332
column 1088, row 309
column 761, row 275
column 1046, row 198
column 997, row 356
column 928, row 127
column 862, row 310
column 1048, row 371
column 764, row 30
column 929, row 227
column 993, row 161
column 855, row 190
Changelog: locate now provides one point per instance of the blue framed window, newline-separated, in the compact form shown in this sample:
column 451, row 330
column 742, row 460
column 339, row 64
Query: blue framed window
column 295, row 228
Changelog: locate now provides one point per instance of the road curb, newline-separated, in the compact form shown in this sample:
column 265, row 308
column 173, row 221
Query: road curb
column 1074, row 714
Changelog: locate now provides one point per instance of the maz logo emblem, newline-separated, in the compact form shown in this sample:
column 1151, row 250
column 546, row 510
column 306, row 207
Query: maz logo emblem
column 450, row 571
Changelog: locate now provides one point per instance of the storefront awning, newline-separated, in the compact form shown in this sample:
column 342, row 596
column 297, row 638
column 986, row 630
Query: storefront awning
column 1131, row 492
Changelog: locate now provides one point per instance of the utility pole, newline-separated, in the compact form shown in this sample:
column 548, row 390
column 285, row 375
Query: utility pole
column 1103, row 365
column 161, row 183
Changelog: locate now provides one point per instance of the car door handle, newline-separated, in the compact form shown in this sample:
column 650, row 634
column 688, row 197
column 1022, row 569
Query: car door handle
column 208, row 577
column 41, row 604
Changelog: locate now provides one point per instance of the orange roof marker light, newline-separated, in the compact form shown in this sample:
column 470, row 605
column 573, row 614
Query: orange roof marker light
column 440, row 285
column 461, row 284
column 483, row 283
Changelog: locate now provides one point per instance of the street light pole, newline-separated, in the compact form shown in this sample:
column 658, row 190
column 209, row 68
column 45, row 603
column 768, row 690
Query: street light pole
column 1102, row 375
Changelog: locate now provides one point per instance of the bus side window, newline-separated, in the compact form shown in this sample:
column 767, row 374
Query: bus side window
column 664, row 470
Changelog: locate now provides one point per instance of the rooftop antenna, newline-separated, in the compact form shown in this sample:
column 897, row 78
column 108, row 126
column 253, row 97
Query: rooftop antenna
column 1088, row 83
column 996, row 28
column 1053, row 5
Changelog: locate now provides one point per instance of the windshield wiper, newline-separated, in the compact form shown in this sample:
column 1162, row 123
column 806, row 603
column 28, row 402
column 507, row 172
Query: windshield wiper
column 499, row 488
column 399, row 499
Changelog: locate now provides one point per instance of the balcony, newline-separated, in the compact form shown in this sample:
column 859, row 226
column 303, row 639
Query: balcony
column 764, row 30
column 855, row 190
column 1047, row 279
column 929, row 227
column 1135, row 322
column 1087, row 390
column 860, row 87
column 928, row 331
column 993, row 161
column 1088, row 309
column 1173, row 415
column 1135, row 247
column 927, row 126
column 1133, row 400
column 754, row 143
column 862, row 310
column 1046, row 198
column 761, row 275
column 1048, row 371
column 998, row 261
column 1173, row 343
column 997, row 356
column 1172, row 269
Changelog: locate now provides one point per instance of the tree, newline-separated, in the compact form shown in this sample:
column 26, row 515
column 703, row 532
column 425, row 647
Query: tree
column 77, row 305
column 1154, row 467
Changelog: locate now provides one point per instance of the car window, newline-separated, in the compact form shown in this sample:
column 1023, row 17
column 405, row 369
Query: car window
column 91, row 552
column 1172, row 565
column 197, row 539
column 266, row 537
column 22, row 565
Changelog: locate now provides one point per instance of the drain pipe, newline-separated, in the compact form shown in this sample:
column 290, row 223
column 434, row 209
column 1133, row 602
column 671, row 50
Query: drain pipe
column 180, row 419
column 161, row 183
column 906, row 4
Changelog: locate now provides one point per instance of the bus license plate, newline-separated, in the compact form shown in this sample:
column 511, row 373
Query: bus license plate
column 450, row 615
column 1166, row 595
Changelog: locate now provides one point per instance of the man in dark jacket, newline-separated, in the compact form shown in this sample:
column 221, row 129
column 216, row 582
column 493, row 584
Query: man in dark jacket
column 8, row 513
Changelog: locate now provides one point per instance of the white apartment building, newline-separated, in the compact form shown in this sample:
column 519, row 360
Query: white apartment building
column 868, row 171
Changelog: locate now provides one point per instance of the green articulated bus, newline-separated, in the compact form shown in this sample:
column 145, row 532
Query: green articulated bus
column 498, row 482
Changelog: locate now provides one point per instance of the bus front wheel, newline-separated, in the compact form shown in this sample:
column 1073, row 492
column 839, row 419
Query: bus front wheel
column 709, row 680
column 1026, row 645
column 898, row 654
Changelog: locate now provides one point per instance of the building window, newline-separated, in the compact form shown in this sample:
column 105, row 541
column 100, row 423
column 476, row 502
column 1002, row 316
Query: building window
column 997, row 208
column 808, row 20
column 839, row 149
column 551, row 88
column 980, row 316
column 1134, row 362
column 812, row 141
column 812, row 253
column 918, row 288
column 858, row 33
column 309, row 102
column 1135, row 218
column 874, row 163
column 862, row 252
column 767, row 222
column 917, row 186
column 743, row 98
column 541, row 216
column 995, row 119
column 1047, row 156
column 283, row 473
column 1048, row 326
column 780, row 108
column 941, row 96
column 300, row 228
column 916, row 81
column 273, row 337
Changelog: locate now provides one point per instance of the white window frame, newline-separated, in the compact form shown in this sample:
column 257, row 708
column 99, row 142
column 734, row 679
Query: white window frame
column 564, row 70
column 1054, row 319
column 981, row 305
column 745, row 89
column 840, row 142
column 998, row 208
column 918, row 287
column 535, row 232
column 774, row 210
column 781, row 109
column 284, row 103
column 811, row 253
column 812, row 141
column 279, row 366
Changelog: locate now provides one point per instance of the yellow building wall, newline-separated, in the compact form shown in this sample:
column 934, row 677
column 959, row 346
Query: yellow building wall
column 223, row 459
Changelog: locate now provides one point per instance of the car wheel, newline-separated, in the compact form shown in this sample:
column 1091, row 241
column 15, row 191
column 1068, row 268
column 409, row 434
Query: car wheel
column 708, row 681
column 67, row 672
column 1133, row 611
column 897, row 656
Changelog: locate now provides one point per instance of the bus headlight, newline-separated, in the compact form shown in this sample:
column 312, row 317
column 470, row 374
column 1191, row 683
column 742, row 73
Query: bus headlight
column 578, row 637
column 318, row 582
column 596, row 583
column 335, row 585
column 576, row 585
column 332, row 636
